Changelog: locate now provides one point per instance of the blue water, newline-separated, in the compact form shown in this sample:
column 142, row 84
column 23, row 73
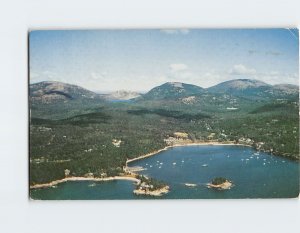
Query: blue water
column 254, row 176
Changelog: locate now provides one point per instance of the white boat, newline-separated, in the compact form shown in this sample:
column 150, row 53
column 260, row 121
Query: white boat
column 204, row 165
column 190, row 185
column 174, row 163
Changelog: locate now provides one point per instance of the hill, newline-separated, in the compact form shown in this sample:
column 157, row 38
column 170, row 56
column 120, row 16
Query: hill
column 49, row 92
column 121, row 95
column 173, row 91
column 255, row 89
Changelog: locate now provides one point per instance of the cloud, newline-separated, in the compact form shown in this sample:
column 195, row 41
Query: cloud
column 45, row 75
column 97, row 76
column 175, row 31
column 273, row 53
column 178, row 67
column 275, row 77
column 33, row 76
column 241, row 70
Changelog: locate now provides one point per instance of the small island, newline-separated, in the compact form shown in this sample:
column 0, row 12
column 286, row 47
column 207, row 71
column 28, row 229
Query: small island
column 150, row 186
column 220, row 183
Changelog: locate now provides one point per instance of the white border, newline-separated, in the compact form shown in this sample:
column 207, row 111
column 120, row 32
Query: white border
column 18, row 214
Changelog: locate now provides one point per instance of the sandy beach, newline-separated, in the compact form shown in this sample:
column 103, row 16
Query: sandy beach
column 73, row 178
column 229, row 143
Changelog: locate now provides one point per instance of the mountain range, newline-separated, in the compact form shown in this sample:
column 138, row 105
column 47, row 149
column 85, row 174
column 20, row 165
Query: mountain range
column 49, row 92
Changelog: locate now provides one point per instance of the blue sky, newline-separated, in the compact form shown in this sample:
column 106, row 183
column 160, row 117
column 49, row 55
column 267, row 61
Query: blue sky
column 137, row 60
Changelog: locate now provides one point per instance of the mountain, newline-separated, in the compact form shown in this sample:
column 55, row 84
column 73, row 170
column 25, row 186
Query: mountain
column 48, row 92
column 121, row 95
column 251, row 88
column 287, row 88
column 239, row 85
column 172, row 90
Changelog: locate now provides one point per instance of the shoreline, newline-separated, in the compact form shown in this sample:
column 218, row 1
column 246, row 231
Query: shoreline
column 229, row 143
column 224, row 186
column 132, row 178
column 156, row 193
column 80, row 178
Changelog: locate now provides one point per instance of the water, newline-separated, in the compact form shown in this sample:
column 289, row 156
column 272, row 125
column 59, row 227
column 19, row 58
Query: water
column 254, row 176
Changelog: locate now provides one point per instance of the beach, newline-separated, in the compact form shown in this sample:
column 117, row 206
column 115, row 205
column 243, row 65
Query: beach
column 212, row 143
column 74, row 178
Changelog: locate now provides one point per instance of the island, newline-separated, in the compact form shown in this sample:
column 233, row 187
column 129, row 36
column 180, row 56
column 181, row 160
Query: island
column 150, row 186
column 220, row 183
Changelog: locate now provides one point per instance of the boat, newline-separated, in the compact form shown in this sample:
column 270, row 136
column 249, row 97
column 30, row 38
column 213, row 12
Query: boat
column 204, row 165
column 174, row 163
column 190, row 185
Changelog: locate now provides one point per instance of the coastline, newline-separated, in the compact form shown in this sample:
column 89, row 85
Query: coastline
column 156, row 193
column 132, row 178
column 79, row 178
column 229, row 143
column 224, row 186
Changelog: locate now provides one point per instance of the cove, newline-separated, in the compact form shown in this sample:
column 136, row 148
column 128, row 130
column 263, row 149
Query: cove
column 255, row 175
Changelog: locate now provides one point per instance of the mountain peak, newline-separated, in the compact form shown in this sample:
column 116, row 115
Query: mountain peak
column 173, row 90
column 238, row 84
column 175, row 84
column 122, row 95
column 53, row 91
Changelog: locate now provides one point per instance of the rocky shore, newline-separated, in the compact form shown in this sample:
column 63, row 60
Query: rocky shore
column 157, row 192
column 224, row 186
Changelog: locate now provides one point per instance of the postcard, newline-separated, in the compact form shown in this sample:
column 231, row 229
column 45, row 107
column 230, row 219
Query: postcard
column 163, row 114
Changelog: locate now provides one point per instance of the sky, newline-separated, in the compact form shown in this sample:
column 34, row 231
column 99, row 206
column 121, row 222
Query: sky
column 138, row 60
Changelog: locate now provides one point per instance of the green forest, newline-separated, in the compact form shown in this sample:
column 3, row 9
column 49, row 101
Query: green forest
column 98, row 136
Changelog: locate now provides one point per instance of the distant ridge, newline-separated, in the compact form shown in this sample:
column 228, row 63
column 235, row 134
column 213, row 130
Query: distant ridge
column 121, row 95
column 171, row 90
column 254, row 88
column 52, row 91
